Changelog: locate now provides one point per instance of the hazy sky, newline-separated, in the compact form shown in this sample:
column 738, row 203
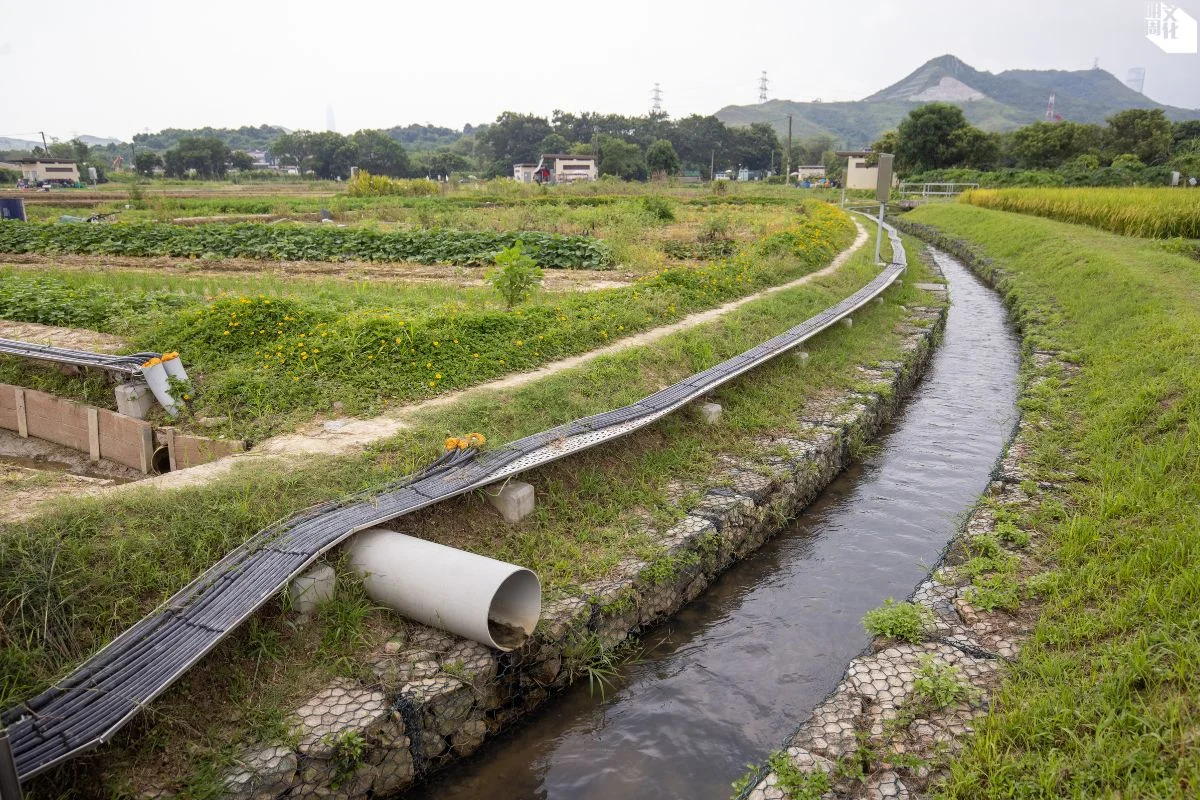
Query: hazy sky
column 128, row 66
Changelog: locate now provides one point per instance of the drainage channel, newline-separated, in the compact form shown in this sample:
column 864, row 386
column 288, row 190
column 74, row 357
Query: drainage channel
column 741, row 666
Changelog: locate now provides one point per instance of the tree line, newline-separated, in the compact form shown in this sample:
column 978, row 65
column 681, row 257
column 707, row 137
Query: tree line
column 937, row 137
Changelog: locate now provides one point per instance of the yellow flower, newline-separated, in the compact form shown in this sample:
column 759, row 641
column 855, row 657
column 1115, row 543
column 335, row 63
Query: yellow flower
column 428, row 365
column 226, row 333
column 397, row 340
column 438, row 376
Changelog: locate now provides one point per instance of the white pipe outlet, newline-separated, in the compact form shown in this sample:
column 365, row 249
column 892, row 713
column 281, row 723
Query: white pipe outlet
column 479, row 598
column 174, row 366
column 156, row 378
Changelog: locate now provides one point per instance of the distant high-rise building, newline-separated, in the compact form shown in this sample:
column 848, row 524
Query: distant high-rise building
column 1136, row 79
column 330, row 125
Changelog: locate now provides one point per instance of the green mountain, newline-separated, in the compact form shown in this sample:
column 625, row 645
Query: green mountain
column 993, row 102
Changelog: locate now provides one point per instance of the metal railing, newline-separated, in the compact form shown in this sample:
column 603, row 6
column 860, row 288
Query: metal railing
column 933, row 190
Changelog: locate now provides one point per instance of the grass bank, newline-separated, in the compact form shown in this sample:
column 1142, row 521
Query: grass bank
column 78, row 574
column 1102, row 701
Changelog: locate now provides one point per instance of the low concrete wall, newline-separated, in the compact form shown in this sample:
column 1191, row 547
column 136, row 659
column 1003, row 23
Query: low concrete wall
column 96, row 431
column 103, row 434
column 434, row 698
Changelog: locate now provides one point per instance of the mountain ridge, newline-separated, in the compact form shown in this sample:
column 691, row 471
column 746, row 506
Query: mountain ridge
column 993, row 102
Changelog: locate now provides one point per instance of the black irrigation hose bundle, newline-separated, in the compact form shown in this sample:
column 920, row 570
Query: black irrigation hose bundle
column 88, row 706
column 127, row 365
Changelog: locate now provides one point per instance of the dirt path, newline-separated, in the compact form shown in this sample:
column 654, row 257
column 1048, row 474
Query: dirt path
column 72, row 338
column 343, row 436
column 556, row 280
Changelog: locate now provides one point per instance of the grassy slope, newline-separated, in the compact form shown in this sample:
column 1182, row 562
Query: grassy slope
column 80, row 573
column 1103, row 701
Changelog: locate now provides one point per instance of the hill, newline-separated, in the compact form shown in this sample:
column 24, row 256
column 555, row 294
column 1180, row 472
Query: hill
column 993, row 102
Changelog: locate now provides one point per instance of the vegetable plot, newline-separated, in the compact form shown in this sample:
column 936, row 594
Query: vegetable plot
column 302, row 242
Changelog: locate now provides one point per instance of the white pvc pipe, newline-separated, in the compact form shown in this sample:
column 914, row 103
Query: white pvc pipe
column 479, row 598
column 174, row 366
column 156, row 378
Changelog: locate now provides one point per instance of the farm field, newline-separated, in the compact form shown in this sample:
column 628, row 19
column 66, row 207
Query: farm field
column 1150, row 213
column 1101, row 700
column 267, row 351
column 119, row 554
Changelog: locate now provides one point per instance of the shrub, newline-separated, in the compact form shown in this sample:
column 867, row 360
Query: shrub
column 906, row 621
column 715, row 228
column 516, row 276
column 659, row 208
column 999, row 590
column 796, row 784
column 364, row 184
column 940, row 685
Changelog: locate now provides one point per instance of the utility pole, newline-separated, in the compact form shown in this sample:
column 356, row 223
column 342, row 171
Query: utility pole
column 712, row 166
column 45, row 146
column 787, row 173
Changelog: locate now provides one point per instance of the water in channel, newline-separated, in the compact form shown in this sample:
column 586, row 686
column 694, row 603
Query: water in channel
column 725, row 681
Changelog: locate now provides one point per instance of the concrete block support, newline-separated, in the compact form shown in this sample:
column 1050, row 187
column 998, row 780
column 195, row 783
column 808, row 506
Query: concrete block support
column 802, row 357
column 710, row 413
column 514, row 500
column 313, row 589
column 134, row 399
column 846, row 322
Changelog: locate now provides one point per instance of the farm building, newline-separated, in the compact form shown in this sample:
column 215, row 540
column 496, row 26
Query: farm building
column 859, row 175
column 41, row 168
column 565, row 168
column 523, row 173
column 811, row 172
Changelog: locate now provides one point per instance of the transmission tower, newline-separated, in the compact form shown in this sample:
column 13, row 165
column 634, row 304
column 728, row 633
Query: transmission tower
column 656, row 100
column 1051, row 114
column 762, row 87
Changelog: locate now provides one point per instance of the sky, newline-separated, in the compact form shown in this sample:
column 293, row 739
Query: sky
column 130, row 66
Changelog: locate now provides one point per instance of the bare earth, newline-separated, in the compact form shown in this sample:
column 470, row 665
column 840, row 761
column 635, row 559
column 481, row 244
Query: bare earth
column 556, row 280
column 72, row 338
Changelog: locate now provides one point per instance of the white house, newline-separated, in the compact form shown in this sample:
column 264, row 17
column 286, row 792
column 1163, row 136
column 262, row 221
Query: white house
column 565, row 168
column 523, row 173
column 41, row 168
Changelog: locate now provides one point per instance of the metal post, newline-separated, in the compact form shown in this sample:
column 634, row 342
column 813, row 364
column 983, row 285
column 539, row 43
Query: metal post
column 10, row 784
column 879, row 234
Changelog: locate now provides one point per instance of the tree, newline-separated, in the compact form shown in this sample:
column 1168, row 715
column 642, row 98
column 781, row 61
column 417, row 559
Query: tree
column 976, row 149
column 441, row 162
column 1146, row 133
column 1183, row 132
column 554, row 143
column 661, row 158
column 380, row 154
column 241, row 161
column 926, row 138
column 326, row 154
column 146, row 162
column 513, row 139
column 1045, row 145
column 888, row 143
column 206, row 155
column 622, row 159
